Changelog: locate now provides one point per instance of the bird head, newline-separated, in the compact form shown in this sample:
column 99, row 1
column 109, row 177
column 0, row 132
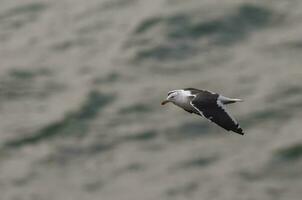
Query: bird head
column 172, row 97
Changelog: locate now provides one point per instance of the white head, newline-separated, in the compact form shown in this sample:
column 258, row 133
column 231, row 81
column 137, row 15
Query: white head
column 173, row 97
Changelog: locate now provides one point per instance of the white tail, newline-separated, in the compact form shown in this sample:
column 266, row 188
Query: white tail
column 226, row 100
column 237, row 100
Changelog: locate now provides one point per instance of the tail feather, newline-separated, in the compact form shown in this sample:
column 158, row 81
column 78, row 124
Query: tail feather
column 226, row 100
column 237, row 100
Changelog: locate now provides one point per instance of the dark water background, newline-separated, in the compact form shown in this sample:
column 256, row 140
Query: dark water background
column 81, row 84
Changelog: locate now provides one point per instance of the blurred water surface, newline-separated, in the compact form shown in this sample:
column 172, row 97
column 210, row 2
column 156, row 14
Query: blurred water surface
column 80, row 90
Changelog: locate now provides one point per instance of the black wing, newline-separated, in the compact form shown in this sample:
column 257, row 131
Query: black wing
column 209, row 106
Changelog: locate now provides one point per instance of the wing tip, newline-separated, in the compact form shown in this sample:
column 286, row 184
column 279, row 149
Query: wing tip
column 239, row 131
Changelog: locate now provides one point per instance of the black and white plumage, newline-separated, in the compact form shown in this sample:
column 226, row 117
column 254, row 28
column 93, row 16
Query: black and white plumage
column 207, row 104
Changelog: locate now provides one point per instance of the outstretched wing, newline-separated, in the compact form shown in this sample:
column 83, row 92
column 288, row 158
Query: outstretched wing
column 213, row 109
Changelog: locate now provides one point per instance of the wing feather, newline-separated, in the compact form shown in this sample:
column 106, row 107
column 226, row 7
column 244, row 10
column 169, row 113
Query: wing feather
column 213, row 109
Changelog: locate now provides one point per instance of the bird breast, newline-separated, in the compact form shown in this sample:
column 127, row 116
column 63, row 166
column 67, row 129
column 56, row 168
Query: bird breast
column 184, row 102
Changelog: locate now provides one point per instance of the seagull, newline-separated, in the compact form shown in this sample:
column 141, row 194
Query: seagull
column 207, row 104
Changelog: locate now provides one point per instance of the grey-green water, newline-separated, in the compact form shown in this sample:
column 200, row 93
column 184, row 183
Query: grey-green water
column 81, row 84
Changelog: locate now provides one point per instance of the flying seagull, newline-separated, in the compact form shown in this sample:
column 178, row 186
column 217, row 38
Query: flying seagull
column 207, row 104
